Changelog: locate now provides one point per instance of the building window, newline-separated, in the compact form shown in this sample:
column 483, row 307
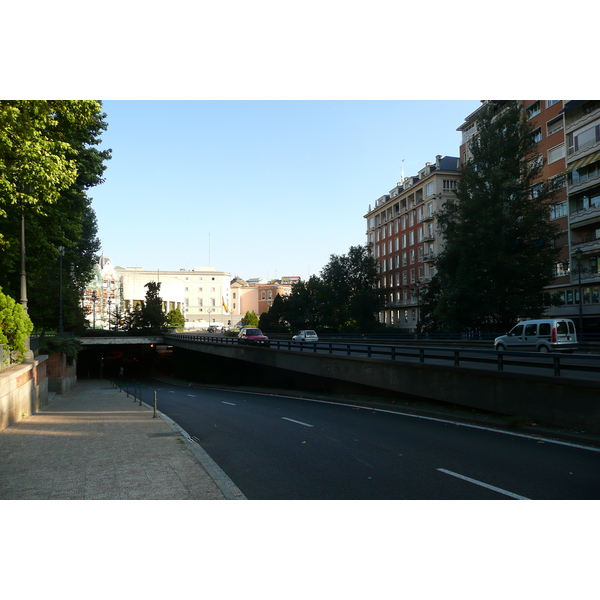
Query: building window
column 580, row 175
column 199, row 301
column 412, row 257
column 430, row 188
column 404, row 222
column 411, row 235
column 404, row 257
column 558, row 210
column 449, row 185
column 533, row 109
column 404, row 240
column 537, row 135
column 584, row 139
column 554, row 126
column 411, row 219
column 550, row 103
column 556, row 153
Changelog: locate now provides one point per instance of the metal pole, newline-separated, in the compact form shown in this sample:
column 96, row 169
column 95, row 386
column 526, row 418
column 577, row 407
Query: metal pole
column 154, row 416
column 61, row 251
column 23, row 272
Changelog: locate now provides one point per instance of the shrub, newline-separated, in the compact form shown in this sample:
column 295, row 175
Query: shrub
column 15, row 326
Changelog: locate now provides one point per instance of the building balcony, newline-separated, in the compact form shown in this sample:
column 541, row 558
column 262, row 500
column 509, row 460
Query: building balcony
column 429, row 257
column 428, row 237
column 589, row 245
column 428, row 218
column 586, row 216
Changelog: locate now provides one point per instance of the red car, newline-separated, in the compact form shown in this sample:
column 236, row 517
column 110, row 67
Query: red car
column 253, row 336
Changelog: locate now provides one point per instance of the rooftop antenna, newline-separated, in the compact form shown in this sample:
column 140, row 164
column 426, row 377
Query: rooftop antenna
column 209, row 248
column 402, row 171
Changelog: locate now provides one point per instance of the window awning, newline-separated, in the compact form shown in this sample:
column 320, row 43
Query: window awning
column 583, row 162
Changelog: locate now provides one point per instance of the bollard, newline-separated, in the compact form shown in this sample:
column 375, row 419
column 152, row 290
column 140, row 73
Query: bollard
column 127, row 389
column 140, row 395
column 154, row 416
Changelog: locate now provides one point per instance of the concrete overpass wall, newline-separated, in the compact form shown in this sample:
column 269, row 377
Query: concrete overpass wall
column 559, row 401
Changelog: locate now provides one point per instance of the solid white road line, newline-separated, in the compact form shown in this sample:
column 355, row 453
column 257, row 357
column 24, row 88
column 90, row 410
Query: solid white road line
column 191, row 395
column 299, row 422
column 230, row 403
column 485, row 485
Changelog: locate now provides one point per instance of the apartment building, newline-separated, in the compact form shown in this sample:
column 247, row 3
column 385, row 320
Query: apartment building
column 403, row 236
column 582, row 138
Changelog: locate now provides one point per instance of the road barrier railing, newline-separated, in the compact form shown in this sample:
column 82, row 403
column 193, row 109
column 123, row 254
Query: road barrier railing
column 553, row 363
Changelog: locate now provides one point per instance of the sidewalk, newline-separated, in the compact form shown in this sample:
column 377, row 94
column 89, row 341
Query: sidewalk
column 96, row 443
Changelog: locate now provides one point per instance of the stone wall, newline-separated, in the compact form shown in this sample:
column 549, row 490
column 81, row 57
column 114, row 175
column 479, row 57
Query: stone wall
column 23, row 390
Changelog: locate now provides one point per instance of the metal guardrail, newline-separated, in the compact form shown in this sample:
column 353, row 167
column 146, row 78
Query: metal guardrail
column 556, row 364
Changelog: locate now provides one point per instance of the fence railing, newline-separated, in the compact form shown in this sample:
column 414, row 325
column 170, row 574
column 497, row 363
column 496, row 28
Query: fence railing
column 550, row 363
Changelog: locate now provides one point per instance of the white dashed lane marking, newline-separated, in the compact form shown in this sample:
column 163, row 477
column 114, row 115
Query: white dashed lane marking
column 299, row 422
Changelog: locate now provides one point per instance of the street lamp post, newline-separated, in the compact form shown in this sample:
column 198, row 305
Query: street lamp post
column 94, row 298
column 416, row 291
column 109, row 302
column 61, row 252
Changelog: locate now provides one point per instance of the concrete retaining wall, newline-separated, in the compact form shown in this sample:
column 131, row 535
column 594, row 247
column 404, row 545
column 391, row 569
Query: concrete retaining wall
column 23, row 390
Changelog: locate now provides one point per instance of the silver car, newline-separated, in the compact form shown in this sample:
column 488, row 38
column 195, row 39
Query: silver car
column 543, row 335
column 306, row 335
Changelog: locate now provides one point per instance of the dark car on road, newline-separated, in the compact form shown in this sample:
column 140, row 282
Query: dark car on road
column 253, row 337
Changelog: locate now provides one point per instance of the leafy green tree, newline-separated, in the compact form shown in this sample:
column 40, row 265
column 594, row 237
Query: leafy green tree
column 273, row 319
column 48, row 162
column 15, row 326
column 344, row 298
column 150, row 315
column 250, row 319
column 307, row 305
column 176, row 319
column 498, row 253
column 354, row 297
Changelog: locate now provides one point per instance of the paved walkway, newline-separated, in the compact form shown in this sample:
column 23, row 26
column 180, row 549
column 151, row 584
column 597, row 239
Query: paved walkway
column 96, row 443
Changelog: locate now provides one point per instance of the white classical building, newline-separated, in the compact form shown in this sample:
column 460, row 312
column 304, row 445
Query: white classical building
column 201, row 294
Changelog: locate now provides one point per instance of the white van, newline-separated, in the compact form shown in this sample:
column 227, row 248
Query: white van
column 543, row 335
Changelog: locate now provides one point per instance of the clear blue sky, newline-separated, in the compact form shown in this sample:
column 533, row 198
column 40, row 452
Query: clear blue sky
column 269, row 188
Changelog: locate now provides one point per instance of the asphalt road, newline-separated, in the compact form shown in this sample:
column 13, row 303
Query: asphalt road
column 276, row 447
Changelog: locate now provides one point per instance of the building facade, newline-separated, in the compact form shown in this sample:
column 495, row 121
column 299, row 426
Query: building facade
column 403, row 236
column 255, row 296
column 201, row 294
column 582, row 141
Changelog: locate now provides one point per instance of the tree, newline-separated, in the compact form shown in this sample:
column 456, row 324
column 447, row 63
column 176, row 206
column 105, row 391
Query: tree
column 48, row 162
column 498, row 254
column 250, row 319
column 352, row 282
column 344, row 298
column 273, row 319
column 150, row 315
column 176, row 319
column 15, row 326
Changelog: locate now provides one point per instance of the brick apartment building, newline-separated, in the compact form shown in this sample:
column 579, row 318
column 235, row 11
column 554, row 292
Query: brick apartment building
column 402, row 235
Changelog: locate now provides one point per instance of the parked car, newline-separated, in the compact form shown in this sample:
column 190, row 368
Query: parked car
column 543, row 335
column 306, row 335
column 253, row 336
